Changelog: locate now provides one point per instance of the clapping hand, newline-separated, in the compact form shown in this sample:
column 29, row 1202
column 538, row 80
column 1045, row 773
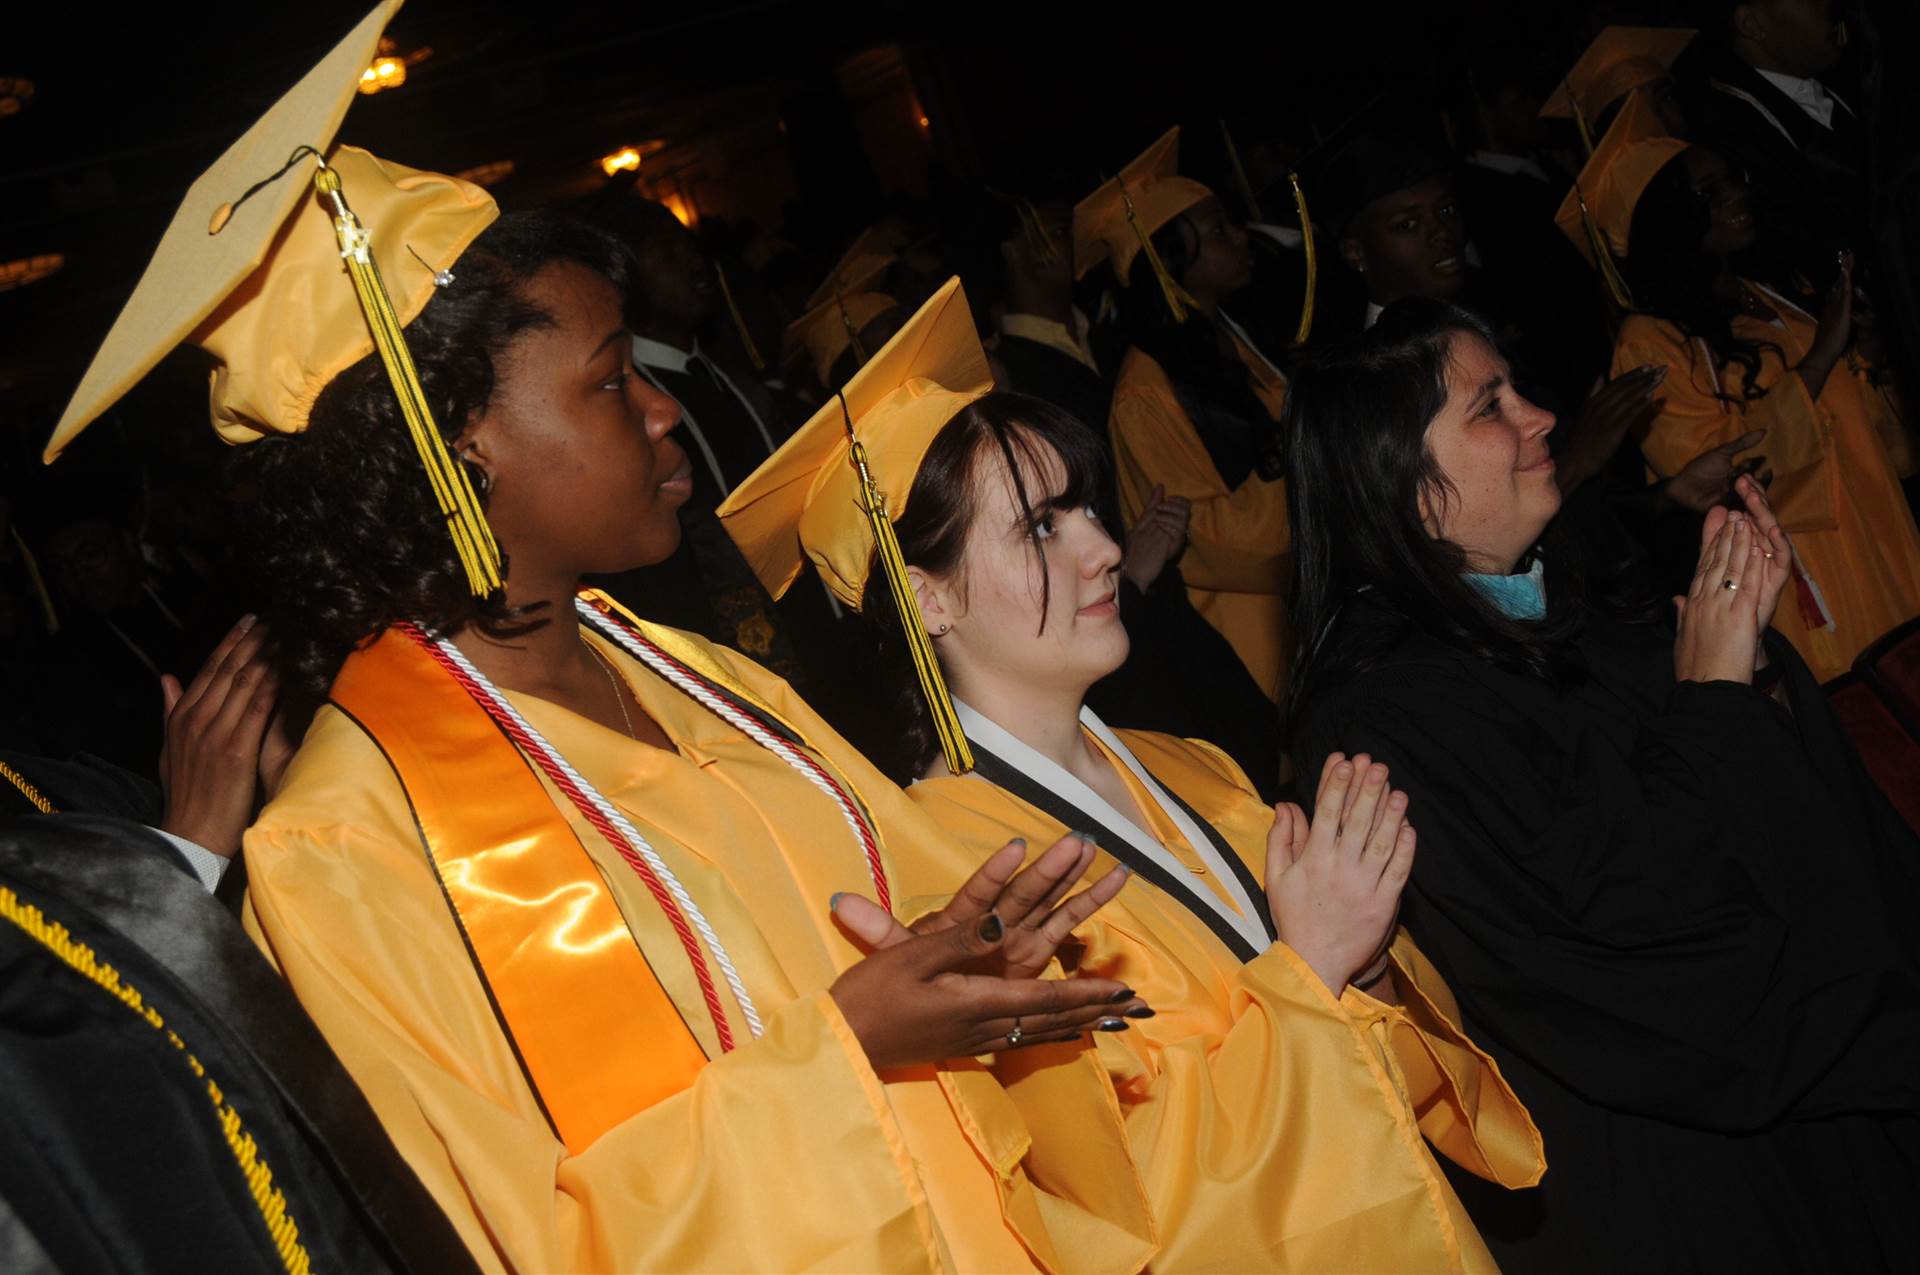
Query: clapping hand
column 217, row 730
column 961, row 982
column 1156, row 538
column 1334, row 885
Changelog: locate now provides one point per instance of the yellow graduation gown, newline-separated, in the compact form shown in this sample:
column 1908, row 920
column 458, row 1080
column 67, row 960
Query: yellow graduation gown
column 1277, row 1127
column 789, row 1153
column 1834, row 465
column 1236, row 560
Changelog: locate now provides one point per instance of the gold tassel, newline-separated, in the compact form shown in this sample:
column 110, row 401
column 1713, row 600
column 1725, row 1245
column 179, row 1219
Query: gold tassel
column 38, row 581
column 452, row 488
column 1240, row 175
column 853, row 334
column 739, row 320
column 1580, row 120
column 1036, row 229
column 933, row 687
column 1313, row 262
column 1168, row 288
column 1603, row 255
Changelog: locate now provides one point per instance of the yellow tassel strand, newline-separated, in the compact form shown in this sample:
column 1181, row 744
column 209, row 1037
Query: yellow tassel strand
column 452, row 488
column 1168, row 288
column 1603, row 255
column 1580, row 121
column 853, row 334
column 1240, row 175
column 38, row 581
column 34, row 796
column 739, row 320
column 1313, row 261
column 946, row 722
column 269, row 1199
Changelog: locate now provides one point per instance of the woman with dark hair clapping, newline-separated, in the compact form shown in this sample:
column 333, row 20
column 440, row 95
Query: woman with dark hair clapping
column 1650, row 867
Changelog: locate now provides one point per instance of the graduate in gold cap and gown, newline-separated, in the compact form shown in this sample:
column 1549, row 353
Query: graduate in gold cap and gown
column 1278, row 1098
column 1741, row 357
column 1196, row 405
column 1622, row 64
column 556, row 883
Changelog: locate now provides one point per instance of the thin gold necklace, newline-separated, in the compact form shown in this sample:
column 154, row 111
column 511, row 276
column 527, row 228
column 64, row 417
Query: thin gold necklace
column 613, row 681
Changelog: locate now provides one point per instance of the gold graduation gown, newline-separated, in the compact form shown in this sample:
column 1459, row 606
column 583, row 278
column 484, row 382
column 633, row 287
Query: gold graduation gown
column 788, row 1153
column 1277, row 1127
column 1236, row 560
column 1834, row 463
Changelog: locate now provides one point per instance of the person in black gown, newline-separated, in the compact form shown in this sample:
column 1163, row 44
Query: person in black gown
column 1650, row 866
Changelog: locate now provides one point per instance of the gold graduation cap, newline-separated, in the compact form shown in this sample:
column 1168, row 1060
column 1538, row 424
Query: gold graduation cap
column 289, row 268
column 1620, row 60
column 833, row 327
column 1117, row 222
column 1598, row 211
column 832, row 491
column 877, row 248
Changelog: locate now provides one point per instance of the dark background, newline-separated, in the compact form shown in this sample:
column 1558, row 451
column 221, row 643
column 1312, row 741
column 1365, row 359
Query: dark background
column 805, row 116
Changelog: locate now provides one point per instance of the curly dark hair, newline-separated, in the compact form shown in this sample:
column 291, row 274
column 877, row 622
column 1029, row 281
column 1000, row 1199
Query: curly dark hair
column 343, row 538
column 1671, row 278
column 933, row 533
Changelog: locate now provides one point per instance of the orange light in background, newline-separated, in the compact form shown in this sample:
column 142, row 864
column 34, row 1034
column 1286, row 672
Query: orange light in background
column 624, row 160
column 18, row 274
column 925, row 122
column 385, row 73
column 681, row 209
column 487, row 174
column 15, row 93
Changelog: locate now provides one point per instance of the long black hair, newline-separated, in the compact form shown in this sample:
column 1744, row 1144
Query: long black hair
column 343, row 538
column 932, row 530
column 1672, row 278
column 1214, row 388
column 1357, row 415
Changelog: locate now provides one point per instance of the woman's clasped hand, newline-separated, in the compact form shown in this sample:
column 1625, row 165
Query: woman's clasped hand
column 1334, row 885
column 1745, row 563
column 963, row 980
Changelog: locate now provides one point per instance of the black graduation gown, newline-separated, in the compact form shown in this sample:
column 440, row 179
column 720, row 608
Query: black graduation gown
column 1681, row 921
column 1059, row 378
column 1808, row 181
column 112, row 1154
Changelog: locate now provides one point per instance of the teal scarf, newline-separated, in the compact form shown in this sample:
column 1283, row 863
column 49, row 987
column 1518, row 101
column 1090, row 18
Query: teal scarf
column 1521, row 597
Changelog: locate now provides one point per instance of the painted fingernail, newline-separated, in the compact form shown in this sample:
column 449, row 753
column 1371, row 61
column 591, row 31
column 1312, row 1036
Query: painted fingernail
column 1121, row 997
column 1140, row 1011
column 1086, row 837
column 1019, row 841
column 990, row 929
column 833, row 904
column 1113, row 1025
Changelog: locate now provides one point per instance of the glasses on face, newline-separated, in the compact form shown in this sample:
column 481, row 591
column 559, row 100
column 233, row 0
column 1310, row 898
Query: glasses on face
column 1717, row 188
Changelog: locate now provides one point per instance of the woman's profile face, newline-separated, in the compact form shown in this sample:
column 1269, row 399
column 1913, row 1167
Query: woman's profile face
column 582, row 476
column 994, row 599
column 1491, row 444
column 1223, row 260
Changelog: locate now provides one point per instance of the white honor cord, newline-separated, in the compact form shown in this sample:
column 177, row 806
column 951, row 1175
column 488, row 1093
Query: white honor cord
column 1242, row 914
column 731, row 715
column 626, row 829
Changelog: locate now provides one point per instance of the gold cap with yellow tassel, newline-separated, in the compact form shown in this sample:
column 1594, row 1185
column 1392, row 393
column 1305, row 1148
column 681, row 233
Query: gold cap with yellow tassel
column 1620, row 60
column 1598, row 211
column 1117, row 222
column 831, row 493
column 250, row 270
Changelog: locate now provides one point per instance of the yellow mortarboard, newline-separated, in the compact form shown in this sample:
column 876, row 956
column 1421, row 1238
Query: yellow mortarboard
column 1117, row 222
column 828, row 330
column 859, row 266
column 832, row 491
column 289, row 281
column 1598, row 210
column 1620, row 60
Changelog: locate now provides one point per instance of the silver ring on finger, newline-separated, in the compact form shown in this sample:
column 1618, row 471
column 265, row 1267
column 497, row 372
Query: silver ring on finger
column 1730, row 583
column 1015, row 1036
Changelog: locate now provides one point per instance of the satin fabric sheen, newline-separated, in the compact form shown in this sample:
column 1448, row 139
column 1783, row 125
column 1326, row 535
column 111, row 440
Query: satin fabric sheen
column 1238, row 539
column 1277, row 1127
column 790, row 1153
column 1834, row 461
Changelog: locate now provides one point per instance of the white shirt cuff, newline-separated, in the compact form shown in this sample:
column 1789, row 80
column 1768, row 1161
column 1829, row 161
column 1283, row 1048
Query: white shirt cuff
column 206, row 865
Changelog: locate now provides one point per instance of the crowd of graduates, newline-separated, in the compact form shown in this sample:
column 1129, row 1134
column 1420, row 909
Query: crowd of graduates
column 1347, row 708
